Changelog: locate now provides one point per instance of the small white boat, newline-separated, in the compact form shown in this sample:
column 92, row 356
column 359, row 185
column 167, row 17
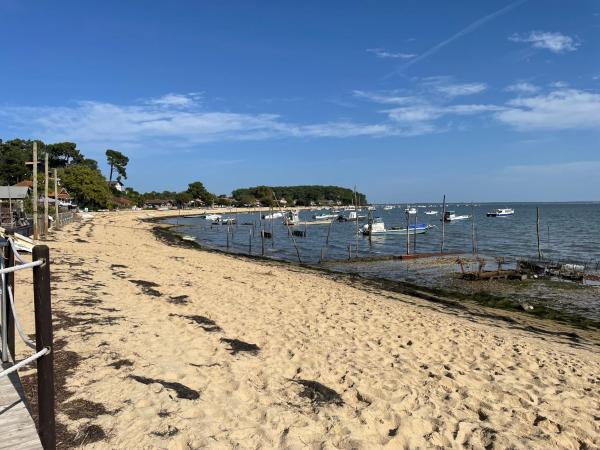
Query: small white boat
column 431, row 213
column 502, row 212
column 371, row 208
column 212, row 217
column 410, row 210
column 225, row 221
column 187, row 237
column 378, row 227
column 275, row 215
column 292, row 218
column 388, row 207
column 325, row 216
column 352, row 217
column 450, row 216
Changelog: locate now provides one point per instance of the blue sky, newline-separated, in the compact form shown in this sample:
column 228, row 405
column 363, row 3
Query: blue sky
column 408, row 100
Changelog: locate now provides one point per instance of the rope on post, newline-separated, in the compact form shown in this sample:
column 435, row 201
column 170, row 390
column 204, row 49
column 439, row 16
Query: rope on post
column 26, row 361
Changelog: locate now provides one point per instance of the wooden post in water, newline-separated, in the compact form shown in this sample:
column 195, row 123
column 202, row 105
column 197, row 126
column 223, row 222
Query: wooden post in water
column 262, row 241
column 227, row 234
column 329, row 232
column 45, row 195
column 44, row 339
column 537, row 227
column 356, row 211
column 473, row 239
column 443, row 224
column 415, row 234
column 250, row 241
column 56, row 213
column 407, row 231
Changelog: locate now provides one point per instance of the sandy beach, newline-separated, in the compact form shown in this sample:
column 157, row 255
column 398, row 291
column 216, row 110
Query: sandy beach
column 162, row 346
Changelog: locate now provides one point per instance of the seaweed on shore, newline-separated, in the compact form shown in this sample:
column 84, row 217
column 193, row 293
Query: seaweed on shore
column 83, row 409
column 147, row 287
column 121, row 363
column 236, row 346
column 181, row 390
column 205, row 323
column 318, row 393
column 179, row 299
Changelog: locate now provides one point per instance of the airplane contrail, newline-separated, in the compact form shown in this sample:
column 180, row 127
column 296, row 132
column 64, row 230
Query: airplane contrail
column 468, row 29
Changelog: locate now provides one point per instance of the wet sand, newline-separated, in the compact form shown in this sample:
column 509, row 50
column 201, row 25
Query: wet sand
column 161, row 346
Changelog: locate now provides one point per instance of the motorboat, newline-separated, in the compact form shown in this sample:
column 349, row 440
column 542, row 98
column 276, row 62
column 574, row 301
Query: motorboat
column 292, row 218
column 410, row 210
column 225, row 221
column 352, row 217
column 431, row 213
column 378, row 227
column 371, row 208
column 388, row 207
column 212, row 217
column 275, row 215
column 502, row 212
column 325, row 216
column 450, row 216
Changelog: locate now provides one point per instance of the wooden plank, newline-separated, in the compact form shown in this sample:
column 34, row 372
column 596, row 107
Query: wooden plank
column 17, row 429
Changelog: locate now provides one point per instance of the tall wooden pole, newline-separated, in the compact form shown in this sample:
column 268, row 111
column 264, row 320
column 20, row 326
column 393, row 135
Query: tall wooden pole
column 356, row 211
column 443, row 224
column 46, row 194
column 537, row 226
column 36, row 232
column 56, row 214
column 473, row 239
column 415, row 235
column 407, row 230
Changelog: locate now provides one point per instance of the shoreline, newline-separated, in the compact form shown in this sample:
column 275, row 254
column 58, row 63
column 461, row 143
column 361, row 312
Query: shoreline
column 452, row 298
column 167, row 346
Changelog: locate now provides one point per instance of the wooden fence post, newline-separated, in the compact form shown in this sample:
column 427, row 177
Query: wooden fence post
column 43, row 339
column 10, row 284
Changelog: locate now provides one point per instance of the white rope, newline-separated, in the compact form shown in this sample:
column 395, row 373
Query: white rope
column 18, row 257
column 24, row 337
column 29, row 265
column 26, row 361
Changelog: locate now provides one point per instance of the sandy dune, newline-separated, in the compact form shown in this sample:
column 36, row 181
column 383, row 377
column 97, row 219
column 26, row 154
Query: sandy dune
column 142, row 363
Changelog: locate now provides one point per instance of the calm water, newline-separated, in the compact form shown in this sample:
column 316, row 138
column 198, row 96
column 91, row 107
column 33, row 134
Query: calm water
column 568, row 232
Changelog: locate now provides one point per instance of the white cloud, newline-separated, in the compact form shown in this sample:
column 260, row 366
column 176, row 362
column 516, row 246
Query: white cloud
column 382, row 53
column 555, row 42
column 169, row 122
column 558, row 110
column 176, row 100
column 456, row 90
column 522, row 87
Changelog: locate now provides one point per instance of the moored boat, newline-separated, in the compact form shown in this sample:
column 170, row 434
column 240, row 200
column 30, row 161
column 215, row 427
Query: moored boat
column 450, row 216
column 502, row 212
column 275, row 215
column 325, row 216
column 431, row 213
column 378, row 227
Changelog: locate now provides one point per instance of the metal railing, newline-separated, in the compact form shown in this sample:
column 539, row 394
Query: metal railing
column 10, row 262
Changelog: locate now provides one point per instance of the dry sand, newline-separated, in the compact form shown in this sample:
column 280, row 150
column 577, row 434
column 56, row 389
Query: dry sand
column 140, row 366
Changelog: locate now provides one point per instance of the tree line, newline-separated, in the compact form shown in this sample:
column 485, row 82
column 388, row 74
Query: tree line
column 85, row 183
column 77, row 173
column 298, row 195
